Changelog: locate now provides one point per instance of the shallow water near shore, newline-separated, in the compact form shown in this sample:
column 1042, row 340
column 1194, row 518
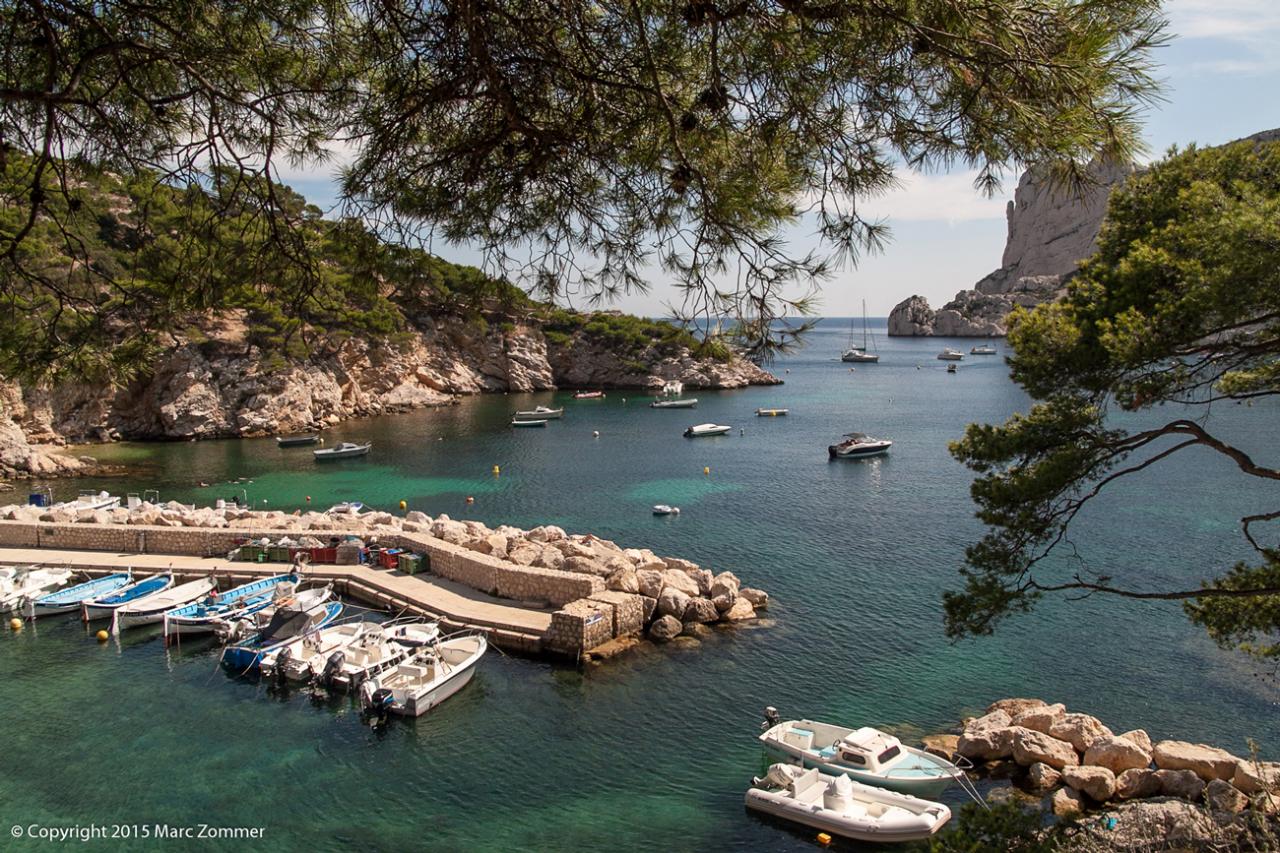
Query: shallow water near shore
column 654, row 749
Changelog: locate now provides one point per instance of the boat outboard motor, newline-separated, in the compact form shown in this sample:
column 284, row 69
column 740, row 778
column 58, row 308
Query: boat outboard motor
column 332, row 667
column 771, row 718
column 282, row 664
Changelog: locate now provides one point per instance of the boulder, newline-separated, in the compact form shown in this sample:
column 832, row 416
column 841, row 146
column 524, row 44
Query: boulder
column 648, row 605
column 1140, row 737
column 725, row 583
column 623, row 580
column 1040, row 718
column 1132, row 784
column 1161, row 824
column 986, row 744
column 676, row 579
column 1098, row 782
column 700, row 610
column 1223, row 797
column 1014, row 707
column 417, row 517
column 495, row 545
column 1180, row 783
column 1207, row 762
column 586, row 566
column 1031, row 747
column 724, row 602
column 1257, row 777
column 996, row 719
column 546, row 533
column 697, row 630
column 943, row 746
column 703, row 578
column 524, row 553
column 1065, row 802
column 1117, row 754
column 1042, row 777
column 449, row 530
column 549, row 558
column 650, row 582
column 679, row 564
column 1079, row 730
column 672, row 602
column 741, row 611
column 665, row 628
column 758, row 597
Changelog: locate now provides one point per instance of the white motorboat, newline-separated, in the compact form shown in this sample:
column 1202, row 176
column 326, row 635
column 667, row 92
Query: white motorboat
column 307, row 657
column 771, row 413
column 540, row 422
column 151, row 610
column 663, row 509
column 840, row 806
column 90, row 499
column 706, row 429
column 949, row 354
column 105, row 606
column 857, row 445
column 540, row 413
column 377, row 651
column 347, row 507
column 691, row 403
column 983, row 349
column 858, row 353
column 343, row 450
column 426, row 679
column 673, row 388
column 20, row 583
column 867, row 755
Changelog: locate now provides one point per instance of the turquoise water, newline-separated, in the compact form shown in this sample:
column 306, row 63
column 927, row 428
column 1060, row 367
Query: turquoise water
column 654, row 749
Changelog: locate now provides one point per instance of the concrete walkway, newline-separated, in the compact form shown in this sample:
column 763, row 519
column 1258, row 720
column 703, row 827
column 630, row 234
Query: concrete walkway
column 458, row 605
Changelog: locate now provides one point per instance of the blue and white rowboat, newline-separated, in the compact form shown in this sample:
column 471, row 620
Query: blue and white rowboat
column 200, row 617
column 149, row 610
column 287, row 625
column 105, row 606
column 70, row 599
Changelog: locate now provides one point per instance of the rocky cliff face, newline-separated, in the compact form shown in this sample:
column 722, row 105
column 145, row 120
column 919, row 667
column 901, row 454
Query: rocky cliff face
column 220, row 387
column 1050, row 231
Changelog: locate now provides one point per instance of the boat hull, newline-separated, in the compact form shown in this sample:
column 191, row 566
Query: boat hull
column 924, row 788
column 420, row 704
column 856, row 453
column 826, row 820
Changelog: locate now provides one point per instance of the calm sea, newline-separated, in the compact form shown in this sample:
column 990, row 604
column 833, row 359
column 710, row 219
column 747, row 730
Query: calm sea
column 652, row 750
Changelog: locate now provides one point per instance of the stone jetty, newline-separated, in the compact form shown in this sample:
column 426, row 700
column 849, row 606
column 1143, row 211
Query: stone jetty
column 1080, row 767
column 606, row 597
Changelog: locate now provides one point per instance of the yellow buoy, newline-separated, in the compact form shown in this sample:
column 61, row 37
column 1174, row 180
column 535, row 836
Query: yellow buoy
column 706, row 470
column 404, row 504
column 15, row 624
column 103, row 636
column 496, row 470
column 824, row 839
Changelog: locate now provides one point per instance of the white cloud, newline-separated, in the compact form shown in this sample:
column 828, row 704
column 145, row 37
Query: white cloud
column 1238, row 35
column 949, row 197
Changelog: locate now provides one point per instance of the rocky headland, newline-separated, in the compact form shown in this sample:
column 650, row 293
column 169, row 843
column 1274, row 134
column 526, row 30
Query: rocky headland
column 1077, row 767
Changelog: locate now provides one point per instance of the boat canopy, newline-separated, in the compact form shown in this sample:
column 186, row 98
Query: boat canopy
column 285, row 624
column 870, row 747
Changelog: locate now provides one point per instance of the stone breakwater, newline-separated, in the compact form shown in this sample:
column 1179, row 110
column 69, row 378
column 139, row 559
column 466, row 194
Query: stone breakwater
column 1078, row 765
column 603, row 592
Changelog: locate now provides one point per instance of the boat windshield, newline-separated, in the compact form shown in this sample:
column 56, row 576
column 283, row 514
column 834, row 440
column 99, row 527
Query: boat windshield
column 888, row 755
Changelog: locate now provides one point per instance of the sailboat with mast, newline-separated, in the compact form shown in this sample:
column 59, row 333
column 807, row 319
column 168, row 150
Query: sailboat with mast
column 859, row 354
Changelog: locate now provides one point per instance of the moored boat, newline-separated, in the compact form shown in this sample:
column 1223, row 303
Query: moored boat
column 951, row 368
column 691, row 403
column 859, row 444
column 304, row 616
column 202, row 616
column 343, row 450
column 983, row 349
column 705, row 430
column 867, row 755
column 70, row 599
column 426, row 679
column 950, row 354
column 305, row 658
column 857, row 353
column 150, row 610
column 347, row 507
column 770, row 413
column 297, row 440
column 840, row 806
column 18, row 583
column 377, row 651
column 526, row 424
column 106, row 605
column 664, row 509
column 588, row 395
column 540, row 413
column 90, row 499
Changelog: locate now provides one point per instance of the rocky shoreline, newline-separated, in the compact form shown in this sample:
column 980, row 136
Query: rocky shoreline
column 220, row 388
column 1079, row 768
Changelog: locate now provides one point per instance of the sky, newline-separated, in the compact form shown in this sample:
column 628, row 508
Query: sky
column 1221, row 81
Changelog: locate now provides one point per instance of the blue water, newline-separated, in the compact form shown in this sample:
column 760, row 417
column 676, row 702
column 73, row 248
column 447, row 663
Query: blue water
column 651, row 750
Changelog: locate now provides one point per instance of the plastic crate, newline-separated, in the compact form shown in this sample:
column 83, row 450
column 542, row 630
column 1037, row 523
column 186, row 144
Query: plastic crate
column 251, row 554
column 410, row 564
column 324, row 555
column 389, row 558
column 278, row 554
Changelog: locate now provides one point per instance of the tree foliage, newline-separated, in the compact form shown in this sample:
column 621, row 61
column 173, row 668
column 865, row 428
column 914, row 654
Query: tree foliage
column 576, row 141
column 1180, row 305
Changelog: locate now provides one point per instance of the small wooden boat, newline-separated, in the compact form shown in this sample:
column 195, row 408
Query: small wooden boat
column 949, row 354
column 426, row 679
column 691, row 403
column 540, row 413
column 17, row 584
column 303, row 617
column 840, row 806
column 706, row 429
column 345, row 450
column 663, row 509
column 867, row 755
column 770, row 413
column 857, row 445
column 202, row 616
column 588, row 395
column 106, row 606
column 304, row 659
column 983, row 349
column 296, row 440
column 376, row 652
column 520, row 423
column 70, row 599
column 150, row 610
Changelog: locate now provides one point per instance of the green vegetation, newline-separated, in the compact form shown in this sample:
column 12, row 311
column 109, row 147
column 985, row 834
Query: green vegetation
column 1180, row 305
column 596, row 140
column 628, row 336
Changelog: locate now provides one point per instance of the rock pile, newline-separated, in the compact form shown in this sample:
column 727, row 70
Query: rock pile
column 1077, row 763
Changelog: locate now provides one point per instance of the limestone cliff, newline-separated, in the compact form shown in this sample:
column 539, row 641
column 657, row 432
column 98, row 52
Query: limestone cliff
column 1051, row 229
column 219, row 387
